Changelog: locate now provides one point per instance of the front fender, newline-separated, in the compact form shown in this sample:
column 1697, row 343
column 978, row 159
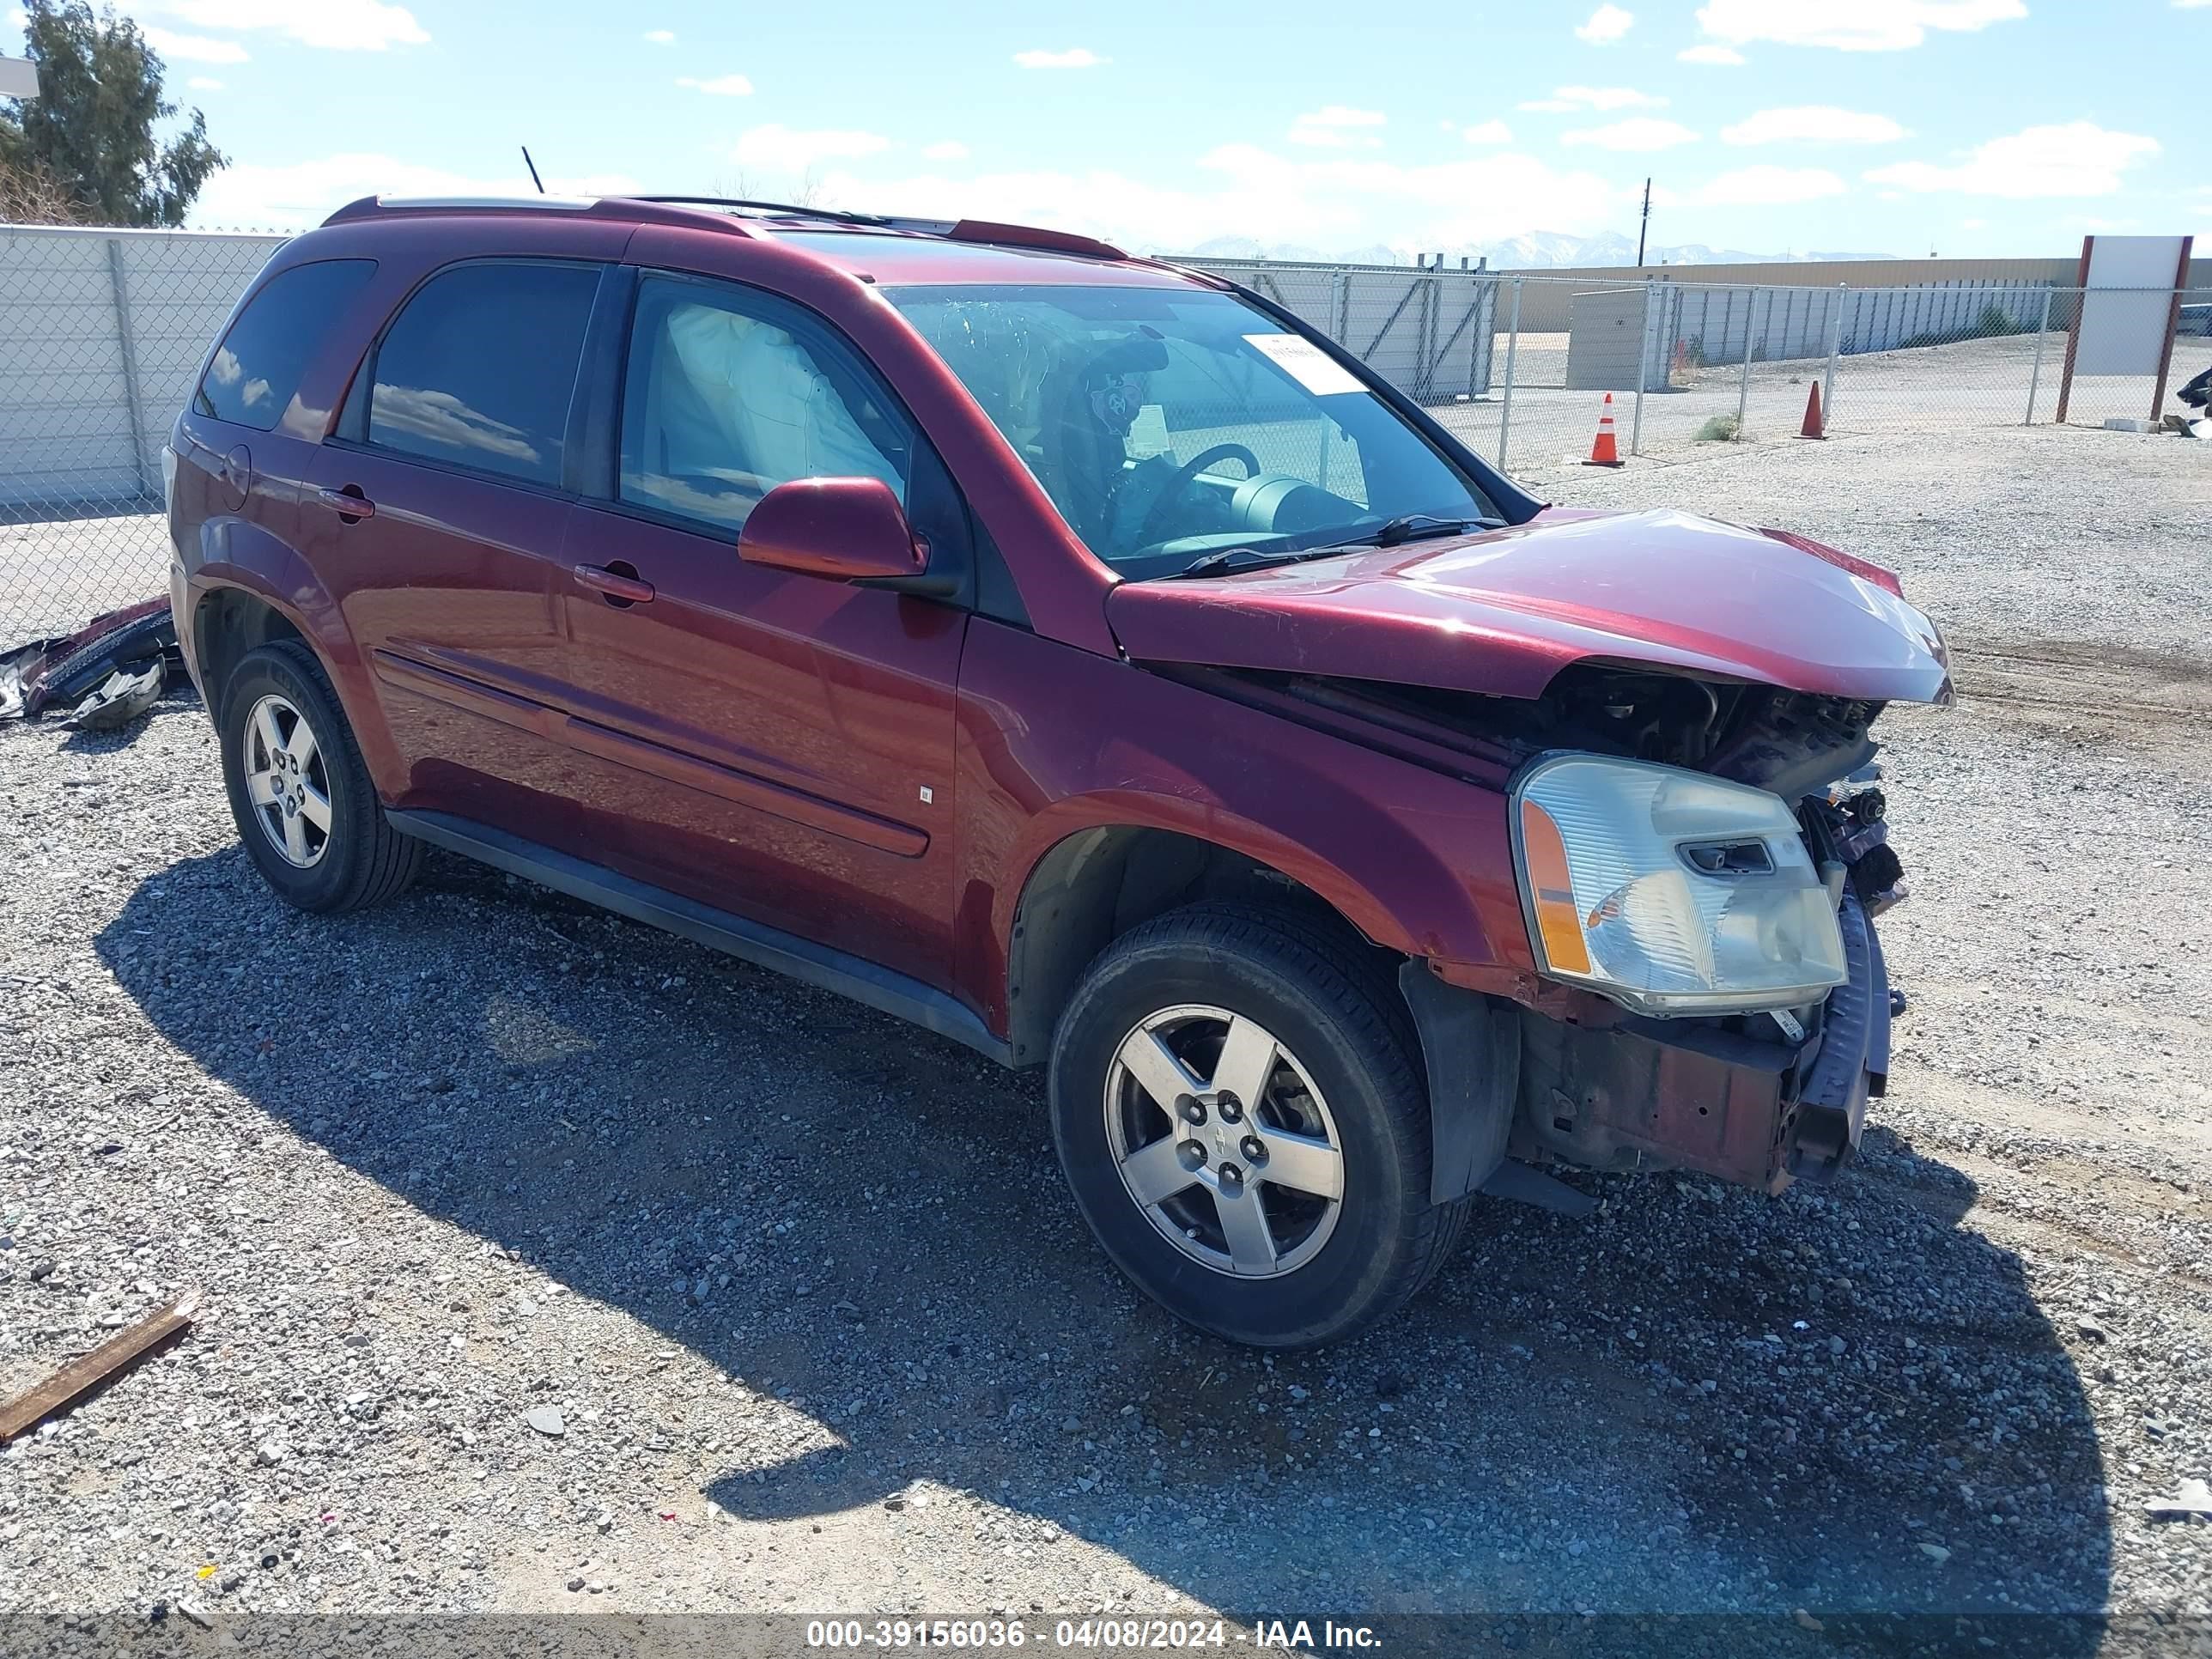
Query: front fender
column 1053, row 741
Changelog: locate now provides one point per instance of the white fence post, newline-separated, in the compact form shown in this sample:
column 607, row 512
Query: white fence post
column 2035, row 374
column 1835, row 350
column 119, row 292
column 1512, row 351
column 1643, row 373
column 1744, row 385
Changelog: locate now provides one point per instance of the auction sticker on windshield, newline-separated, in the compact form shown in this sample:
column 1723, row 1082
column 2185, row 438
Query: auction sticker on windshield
column 1307, row 363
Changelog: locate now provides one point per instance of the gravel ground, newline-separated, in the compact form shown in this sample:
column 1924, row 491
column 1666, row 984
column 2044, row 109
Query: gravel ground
column 554, row 1264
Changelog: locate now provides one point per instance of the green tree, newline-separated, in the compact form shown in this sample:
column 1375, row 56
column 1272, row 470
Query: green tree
column 91, row 129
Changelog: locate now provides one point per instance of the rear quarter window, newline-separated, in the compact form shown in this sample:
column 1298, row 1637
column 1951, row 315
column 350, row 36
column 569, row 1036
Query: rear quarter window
column 480, row 366
column 256, row 370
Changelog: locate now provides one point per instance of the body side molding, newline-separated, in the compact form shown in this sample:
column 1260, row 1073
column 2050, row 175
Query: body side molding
column 880, row 987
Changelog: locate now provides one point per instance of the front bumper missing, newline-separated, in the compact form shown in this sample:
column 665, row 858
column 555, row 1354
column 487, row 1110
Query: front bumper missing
column 1659, row 1094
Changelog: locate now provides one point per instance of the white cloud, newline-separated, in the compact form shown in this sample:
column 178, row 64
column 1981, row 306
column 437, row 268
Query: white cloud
column 1812, row 124
column 1487, row 132
column 339, row 25
column 246, row 195
column 1639, row 132
column 789, row 150
column 949, row 150
column 1709, row 54
column 1768, row 186
column 2077, row 159
column 1337, row 126
column 2190, row 5
column 720, row 86
column 204, row 83
column 1075, row 57
column 195, row 48
column 661, row 37
column 1850, row 25
column 1567, row 99
column 1245, row 190
column 1606, row 25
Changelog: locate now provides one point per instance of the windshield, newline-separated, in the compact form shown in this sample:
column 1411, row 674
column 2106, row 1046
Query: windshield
column 1168, row 423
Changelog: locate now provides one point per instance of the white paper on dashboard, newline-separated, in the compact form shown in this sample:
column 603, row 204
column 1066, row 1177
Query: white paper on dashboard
column 1306, row 363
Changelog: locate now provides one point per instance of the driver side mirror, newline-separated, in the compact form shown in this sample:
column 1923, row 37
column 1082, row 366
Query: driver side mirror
column 848, row 530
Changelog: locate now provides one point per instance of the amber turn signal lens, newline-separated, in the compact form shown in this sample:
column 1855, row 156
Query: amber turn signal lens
column 1553, row 891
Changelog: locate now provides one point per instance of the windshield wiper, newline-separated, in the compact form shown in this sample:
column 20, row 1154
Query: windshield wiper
column 1420, row 526
column 1231, row 558
column 1407, row 527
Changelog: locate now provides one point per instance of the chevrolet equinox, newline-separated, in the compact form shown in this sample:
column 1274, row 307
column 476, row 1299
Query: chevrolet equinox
column 1082, row 658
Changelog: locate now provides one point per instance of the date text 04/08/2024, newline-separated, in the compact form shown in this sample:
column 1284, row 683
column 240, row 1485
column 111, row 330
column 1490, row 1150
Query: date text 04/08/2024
column 1111, row 1635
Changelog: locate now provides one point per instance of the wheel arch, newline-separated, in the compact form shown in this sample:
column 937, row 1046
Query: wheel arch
column 227, row 621
column 1095, row 883
column 263, row 591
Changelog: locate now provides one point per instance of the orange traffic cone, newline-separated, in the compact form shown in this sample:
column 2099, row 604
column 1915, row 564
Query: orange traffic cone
column 1604, row 452
column 1814, row 427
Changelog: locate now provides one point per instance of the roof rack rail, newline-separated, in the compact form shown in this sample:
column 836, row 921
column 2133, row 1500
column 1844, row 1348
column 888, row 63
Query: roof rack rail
column 367, row 207
column 1059, row 241
column 958, row 230
column 989, row 232
column 838, row 214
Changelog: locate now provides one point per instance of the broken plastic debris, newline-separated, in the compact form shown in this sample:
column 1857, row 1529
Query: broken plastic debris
column 2192, row 1497
column 136, row 639
column 120, row 698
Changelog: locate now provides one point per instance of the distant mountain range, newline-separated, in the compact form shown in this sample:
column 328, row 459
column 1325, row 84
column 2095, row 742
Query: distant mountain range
column 1536, row 250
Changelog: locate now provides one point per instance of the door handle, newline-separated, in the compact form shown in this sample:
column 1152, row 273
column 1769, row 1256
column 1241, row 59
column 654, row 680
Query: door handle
column 348, row 503
column 620, row 587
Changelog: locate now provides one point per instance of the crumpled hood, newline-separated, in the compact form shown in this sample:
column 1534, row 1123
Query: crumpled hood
column 1502, row 611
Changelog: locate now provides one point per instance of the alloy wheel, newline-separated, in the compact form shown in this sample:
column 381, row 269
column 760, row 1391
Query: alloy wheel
column 287, row 782
column 1223, row 1142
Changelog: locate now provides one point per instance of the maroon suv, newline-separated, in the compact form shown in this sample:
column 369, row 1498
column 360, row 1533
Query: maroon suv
column 1083, row 659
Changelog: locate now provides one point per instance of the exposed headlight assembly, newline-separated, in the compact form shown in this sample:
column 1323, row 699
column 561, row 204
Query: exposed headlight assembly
column 1670, row 891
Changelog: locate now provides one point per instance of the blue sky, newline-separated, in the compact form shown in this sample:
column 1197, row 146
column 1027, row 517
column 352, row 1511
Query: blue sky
column 1969, row 127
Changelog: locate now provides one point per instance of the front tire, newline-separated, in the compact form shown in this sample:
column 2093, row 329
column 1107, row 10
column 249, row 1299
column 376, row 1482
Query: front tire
column 1237, row 1107
column 307, row 813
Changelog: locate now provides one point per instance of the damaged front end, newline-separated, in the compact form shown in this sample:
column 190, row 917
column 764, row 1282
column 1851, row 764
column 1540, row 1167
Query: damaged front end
column 1765, row 1079
column 1758, row 1095
column 1672, row 1025
column 1759, row 1109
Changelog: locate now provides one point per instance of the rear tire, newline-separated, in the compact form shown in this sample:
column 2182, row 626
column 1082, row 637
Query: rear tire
column 307, row 811
column 1279, row 1193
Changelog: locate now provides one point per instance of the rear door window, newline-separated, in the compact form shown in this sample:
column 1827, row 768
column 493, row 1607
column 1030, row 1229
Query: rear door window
column 479, row 368
column 257, row 368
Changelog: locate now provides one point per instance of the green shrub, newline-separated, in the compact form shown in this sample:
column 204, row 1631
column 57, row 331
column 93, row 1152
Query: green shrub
column 1720, row 429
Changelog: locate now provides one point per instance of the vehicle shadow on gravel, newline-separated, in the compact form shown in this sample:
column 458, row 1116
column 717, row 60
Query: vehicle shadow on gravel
column 1844, row 1399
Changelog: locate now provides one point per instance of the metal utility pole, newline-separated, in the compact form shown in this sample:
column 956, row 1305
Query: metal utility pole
column 1643, row 224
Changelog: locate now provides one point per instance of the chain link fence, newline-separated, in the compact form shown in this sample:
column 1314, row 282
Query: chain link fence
column 1694, row 368
column 100, row 332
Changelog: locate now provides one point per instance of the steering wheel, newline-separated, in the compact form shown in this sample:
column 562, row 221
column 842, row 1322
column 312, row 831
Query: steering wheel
column 1174, row 488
